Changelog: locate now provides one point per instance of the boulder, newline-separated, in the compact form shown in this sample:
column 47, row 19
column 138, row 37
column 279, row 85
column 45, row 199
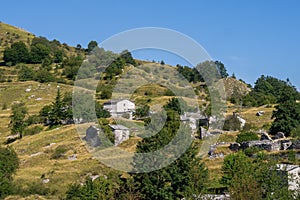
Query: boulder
column 285, row 144
column 278, row 135
column 295, row 145
column 92, row 136
column 234, row 146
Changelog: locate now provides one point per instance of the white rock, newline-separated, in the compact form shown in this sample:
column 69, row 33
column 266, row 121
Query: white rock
column 36, row 154
column 45, row 181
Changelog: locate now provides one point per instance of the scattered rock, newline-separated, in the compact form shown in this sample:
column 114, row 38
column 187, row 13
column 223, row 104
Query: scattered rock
column 73, row 157
column 285, row 144
column 94, row 177
column 50, row 145
column 260, row 113
column 295, row 145
column 36, row 154
column 45, row 181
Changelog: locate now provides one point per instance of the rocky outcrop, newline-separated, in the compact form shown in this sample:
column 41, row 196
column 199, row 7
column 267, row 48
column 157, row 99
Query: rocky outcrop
column 262, row 144
column 295, row 145
column 285, row 144
column 265, row 136
column 279, row 135
column 234, row 146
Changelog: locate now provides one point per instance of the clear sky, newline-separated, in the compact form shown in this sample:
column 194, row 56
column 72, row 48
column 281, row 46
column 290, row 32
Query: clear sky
column 251, row 37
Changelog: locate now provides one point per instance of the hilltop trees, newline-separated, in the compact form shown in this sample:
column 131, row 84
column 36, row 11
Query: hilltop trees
column 17, row 53
column 92, row 44
column 268, row 90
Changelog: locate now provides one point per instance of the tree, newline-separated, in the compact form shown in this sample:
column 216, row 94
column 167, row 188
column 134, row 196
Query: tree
column 71, row 66
column 221, row 68
column 38, row 53
column 25, row 74
column 92, row 44
column 100, row 189
column 287, row 113
column 17, row 53
column 9, row 163
column 142, row 111
column 126, row 55
column 57, row 113
column 248, row 178
column 106, row 93
column 184, row 177
column 100, row 112
column 43, row 75
column 18, row 119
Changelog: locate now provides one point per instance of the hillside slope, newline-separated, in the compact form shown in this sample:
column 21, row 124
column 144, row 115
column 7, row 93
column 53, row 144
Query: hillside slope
column 10, row 34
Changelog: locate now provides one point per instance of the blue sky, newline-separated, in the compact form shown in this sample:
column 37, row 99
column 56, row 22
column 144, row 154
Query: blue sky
column 250, row 37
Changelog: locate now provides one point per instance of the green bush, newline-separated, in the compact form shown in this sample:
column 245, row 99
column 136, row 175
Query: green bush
column 33, row 130
column 251, row 151
column 59, row 152
column 246, row 136
column 9, row 163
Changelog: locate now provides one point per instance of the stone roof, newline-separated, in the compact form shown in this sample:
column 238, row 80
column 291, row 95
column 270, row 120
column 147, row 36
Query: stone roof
column 118, row 127
column 114, row 101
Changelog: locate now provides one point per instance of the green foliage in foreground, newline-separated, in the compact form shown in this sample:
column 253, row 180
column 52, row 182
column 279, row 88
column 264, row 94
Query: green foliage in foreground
column 9, row 163
column 248, row 178
column 183, row 177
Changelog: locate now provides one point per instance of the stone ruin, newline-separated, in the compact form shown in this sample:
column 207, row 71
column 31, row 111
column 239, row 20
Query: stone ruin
column 275, row 143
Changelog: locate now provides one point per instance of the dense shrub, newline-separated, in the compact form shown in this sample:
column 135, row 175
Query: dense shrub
column 246, row 136
column 59, row 152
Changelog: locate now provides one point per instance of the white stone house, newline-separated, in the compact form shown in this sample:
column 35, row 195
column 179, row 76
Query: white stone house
column 118, row 108
column 291, row 175
column 121, row 133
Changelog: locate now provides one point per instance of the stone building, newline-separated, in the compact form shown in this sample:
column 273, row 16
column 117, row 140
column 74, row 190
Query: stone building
column 119, row 108
column 121, row 133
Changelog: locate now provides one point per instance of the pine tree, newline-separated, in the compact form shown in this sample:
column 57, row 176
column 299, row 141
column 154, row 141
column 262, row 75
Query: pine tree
column 287, row 113
column 57, row 113
column 18, row 122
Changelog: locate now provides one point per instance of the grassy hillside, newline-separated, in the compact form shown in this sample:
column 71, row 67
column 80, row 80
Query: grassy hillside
column 46, row 156
column 10, row 34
